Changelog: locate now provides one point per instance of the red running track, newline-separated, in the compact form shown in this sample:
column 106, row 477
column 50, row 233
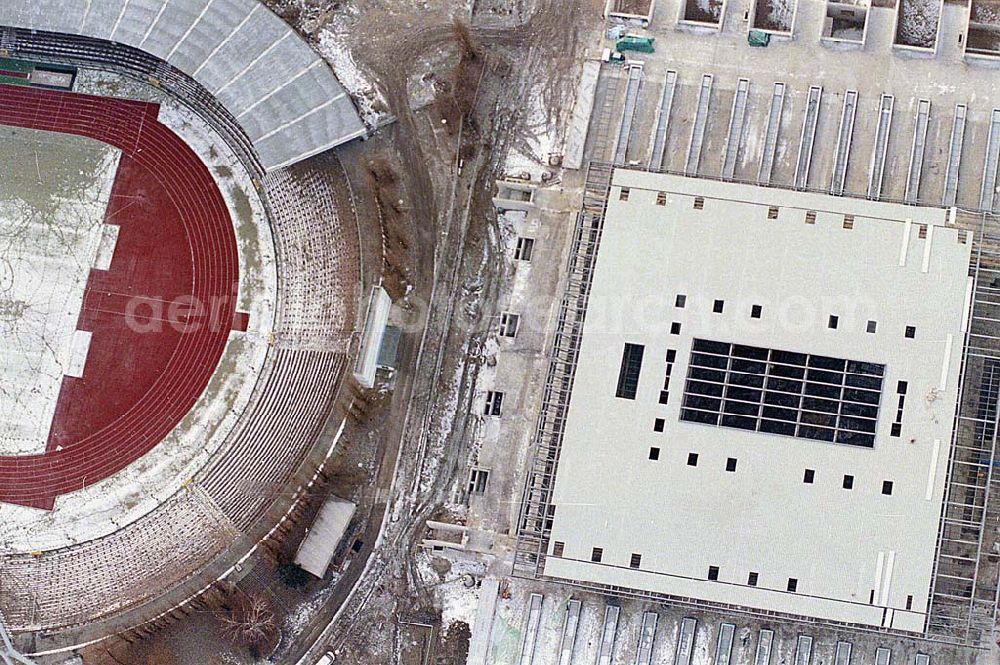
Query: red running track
column 176, row 244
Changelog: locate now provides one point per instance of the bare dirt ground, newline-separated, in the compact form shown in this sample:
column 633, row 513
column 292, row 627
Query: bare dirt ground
column 447, row 224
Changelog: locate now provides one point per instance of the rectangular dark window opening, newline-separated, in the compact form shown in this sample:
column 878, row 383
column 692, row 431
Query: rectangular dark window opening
column 871, row 326
column 699, row 203
column 713, row 573
column 793, row 585
column 911, row 332
column 557, row 548
column 833, row 321
column 623, row 195
column 675, row 328
column 680, row 300
column 628, row 375
column 692, row 459
column 731, row 464
column 654, row 453
column 895, row 429
column 909, row 602
column 524, row 248
column 772, row 212
column 810, row 216
column 661, row 198
column 494, row 403
column 755, row 312
column 635, row 561
column 752, row 579
column 887, row 487
column 848, row 482
column 658, row 424
column 664, row 396
column 597, row 554
column 478, row 480
column 509, row 323
column 718, row 305
column 809, row 476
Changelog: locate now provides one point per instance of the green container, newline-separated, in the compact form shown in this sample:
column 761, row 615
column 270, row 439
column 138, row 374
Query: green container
column 633, row 43
column 758, row 38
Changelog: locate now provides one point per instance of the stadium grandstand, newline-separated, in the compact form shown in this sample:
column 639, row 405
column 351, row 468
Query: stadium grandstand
column 282, row 94
column 271, row 106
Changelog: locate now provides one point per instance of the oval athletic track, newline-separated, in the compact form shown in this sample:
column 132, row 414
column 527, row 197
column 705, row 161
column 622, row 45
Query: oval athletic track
column 176, row 244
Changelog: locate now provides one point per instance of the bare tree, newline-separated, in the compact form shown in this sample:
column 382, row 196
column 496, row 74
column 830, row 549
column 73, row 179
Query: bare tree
column 251, row 623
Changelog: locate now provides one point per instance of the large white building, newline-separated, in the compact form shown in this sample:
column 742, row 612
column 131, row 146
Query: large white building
column 763, row 402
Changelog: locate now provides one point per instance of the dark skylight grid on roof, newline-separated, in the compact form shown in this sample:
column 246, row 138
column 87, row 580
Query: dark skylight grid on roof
column 783, row 392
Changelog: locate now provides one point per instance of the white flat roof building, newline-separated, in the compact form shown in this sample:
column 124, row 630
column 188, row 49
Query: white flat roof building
column 764, row 399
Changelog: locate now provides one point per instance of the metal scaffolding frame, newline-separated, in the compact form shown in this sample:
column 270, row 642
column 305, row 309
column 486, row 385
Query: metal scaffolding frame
column 537, row 508
column 962, row 603
column 963, row 598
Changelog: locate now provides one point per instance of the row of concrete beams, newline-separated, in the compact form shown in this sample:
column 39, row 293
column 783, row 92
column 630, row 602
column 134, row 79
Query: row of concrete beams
column 771, row 134
column 685, row 640
column 808, row 137
column 659, row 146
column 737, row 127
column 632, row 87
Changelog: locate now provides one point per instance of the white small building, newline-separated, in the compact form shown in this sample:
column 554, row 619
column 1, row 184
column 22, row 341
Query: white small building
column 371, row 340
column 320, row 544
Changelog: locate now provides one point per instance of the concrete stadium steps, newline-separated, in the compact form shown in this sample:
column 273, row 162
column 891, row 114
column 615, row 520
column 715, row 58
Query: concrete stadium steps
column 320, row 273
column 112, row 574
column 288, row 411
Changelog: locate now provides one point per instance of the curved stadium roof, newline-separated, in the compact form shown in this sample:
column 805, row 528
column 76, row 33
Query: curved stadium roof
column 283, row 94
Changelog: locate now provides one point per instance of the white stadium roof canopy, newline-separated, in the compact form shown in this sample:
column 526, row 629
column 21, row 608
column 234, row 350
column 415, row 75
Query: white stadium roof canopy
column 283, row 94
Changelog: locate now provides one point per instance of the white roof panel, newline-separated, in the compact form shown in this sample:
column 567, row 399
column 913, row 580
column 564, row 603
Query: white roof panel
column 236, row 46
column 796, row 257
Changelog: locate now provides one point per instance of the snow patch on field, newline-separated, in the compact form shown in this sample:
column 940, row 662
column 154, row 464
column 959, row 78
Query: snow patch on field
column 300, row 616
column 531, row 155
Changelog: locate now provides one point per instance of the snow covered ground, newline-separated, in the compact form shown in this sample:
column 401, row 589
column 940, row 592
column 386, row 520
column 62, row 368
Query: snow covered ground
column 371, row 104
column 540, row 140
column 53, row 198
